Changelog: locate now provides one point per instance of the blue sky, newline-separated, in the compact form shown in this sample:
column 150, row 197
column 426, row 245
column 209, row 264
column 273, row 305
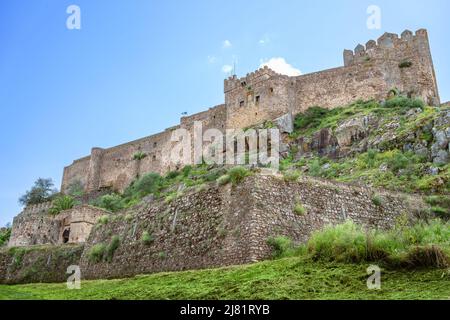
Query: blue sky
column 135, row 66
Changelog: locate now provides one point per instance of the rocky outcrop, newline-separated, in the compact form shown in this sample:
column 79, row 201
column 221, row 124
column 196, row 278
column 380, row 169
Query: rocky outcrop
column 429, row 139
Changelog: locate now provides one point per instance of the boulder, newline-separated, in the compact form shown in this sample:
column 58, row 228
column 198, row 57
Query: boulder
column 441, row 158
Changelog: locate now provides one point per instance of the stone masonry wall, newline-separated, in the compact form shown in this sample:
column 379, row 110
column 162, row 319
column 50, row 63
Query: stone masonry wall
column 230, row 225
column 219, row 226
column 38, row 264
column 35, row 226
column 369, row 72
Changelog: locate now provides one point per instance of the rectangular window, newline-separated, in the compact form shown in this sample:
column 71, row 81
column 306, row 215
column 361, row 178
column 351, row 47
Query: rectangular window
column 257, row 99
column 241, row 104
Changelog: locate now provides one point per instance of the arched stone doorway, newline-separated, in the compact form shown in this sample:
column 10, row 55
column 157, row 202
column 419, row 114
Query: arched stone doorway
column 66, row 235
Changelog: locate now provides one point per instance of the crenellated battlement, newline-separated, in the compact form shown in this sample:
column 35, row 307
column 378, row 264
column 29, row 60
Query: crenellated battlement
column 234, row 82
column 388, row 41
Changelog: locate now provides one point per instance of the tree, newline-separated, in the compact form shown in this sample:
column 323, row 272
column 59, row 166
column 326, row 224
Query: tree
column 42, row 191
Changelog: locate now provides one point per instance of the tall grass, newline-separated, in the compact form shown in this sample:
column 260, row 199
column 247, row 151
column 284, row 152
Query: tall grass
column 423, row 244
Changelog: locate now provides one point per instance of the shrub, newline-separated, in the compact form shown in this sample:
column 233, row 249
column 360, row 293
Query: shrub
column 111, row 202
column 111, row 248
column 310, row 118
column 103, row 220
column 97, row 252
column 424, row 244
column 186, row 170
column 238, row 174
column 5, row 234
column 291, row 175
column 343, row 243
column 162, row 255
column 371, row 157
column 427, row 256
column 281, row 247
column 404, row 103
column 398, row 161
column 172, row 174
column 147, row 238
column 172, row 196
column 139, row 156
column 377, row 200
column 315, row 169
column 145, row 185
column 62, row 203
column 299, row 209
column 222, row 180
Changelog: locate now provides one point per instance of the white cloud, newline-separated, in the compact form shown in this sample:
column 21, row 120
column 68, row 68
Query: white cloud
column 226, row 44
column 211, row 59
column 227, row 68
column 280, row 65
column 264, row 40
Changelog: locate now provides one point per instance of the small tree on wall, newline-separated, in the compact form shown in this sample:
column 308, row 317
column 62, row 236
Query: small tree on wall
column 42, row 191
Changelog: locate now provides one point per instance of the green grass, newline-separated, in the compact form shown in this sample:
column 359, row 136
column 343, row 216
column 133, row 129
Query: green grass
column 289, row 278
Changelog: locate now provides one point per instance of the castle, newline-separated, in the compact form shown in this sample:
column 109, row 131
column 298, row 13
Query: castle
column 223, row 225
column 369, row 72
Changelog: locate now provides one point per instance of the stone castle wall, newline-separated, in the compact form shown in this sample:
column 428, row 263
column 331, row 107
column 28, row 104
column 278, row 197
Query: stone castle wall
column 35, row 226
column 369, row 72
column 227, row 225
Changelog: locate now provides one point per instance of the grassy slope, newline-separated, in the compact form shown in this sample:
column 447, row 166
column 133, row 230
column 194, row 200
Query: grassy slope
column 289, row 278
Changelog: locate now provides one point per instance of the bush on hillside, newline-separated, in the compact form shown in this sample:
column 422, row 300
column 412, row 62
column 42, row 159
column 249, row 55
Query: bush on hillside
column 111, row 202
column 238, row 174
column 5, row 234
column 62, row 203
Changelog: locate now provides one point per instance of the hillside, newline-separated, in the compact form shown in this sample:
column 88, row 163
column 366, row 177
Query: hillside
column 289, row 278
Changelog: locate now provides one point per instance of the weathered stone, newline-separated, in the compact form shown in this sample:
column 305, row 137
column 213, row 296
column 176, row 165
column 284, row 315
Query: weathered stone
column 441, row 157
column 285, row 123
column 219, row 226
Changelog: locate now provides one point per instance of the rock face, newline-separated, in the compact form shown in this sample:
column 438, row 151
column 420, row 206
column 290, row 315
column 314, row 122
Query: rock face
column 441, row 133
column 218, row 226
column 358, row 134
column 285, row 123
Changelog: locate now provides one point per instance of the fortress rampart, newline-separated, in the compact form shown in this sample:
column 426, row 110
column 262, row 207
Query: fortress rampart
column 369, row 72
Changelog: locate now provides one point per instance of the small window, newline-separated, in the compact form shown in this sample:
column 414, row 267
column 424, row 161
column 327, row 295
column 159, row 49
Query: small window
column 155, row 144
column 271, row 90
column 243, row 83
column 154, row 158
column 257, row 99
column 241, row 104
